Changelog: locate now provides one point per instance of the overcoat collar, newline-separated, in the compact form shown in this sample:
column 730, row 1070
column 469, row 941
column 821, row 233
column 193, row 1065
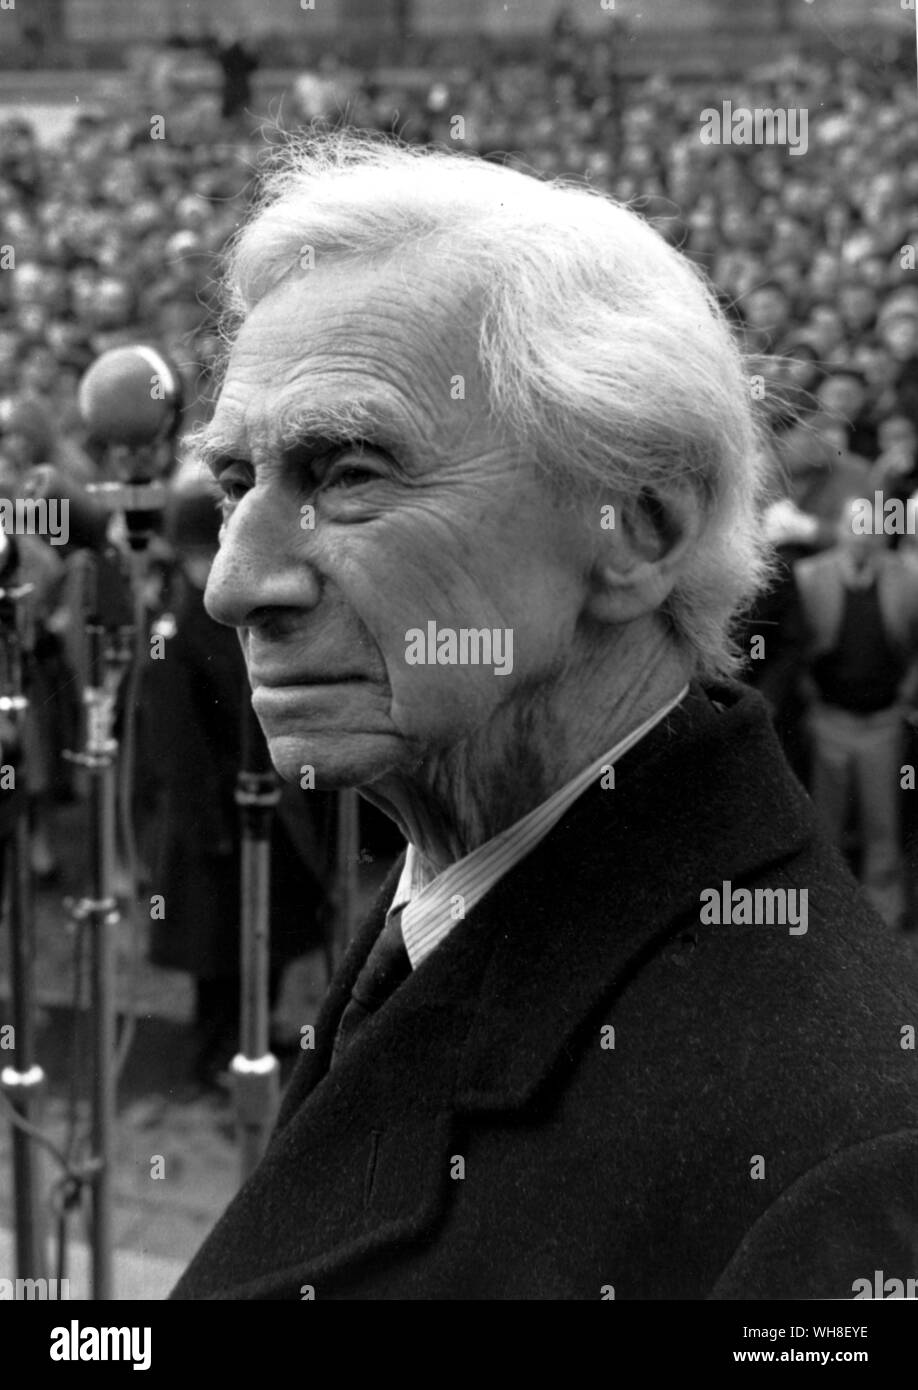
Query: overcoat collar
column 360, row 1161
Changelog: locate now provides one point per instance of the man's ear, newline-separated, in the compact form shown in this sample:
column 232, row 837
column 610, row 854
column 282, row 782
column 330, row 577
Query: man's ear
column 643, row 544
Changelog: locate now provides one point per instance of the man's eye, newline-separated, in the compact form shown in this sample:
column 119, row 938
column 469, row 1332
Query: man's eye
column 234, row 484
column 349, row 475
column 351, row 464
column 234, row 488
column 234, row 491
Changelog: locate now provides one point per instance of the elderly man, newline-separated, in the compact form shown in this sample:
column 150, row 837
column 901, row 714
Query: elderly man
column 617, row 1026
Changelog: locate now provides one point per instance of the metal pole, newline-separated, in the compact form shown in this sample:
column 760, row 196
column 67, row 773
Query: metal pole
column 100, row 912
column 255, row 1069
column 24, row 1082
column 109, row 630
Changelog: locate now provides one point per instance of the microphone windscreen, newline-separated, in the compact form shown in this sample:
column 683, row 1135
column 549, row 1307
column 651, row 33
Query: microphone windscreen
column 130, row 396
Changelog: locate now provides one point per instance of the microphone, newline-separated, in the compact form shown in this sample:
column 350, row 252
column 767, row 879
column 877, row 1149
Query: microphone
column 87, row 518
column 132, row 397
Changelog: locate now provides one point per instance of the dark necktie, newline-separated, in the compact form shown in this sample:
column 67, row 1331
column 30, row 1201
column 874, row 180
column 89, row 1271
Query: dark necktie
column 385, row 968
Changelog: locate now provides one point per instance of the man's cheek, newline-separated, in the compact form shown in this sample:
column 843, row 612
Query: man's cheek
column 444, row 697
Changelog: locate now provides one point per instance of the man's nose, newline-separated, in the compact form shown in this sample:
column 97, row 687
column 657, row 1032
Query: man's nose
column 263, row 561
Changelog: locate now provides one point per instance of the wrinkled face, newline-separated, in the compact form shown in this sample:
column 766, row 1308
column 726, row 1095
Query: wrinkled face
column 355, row 390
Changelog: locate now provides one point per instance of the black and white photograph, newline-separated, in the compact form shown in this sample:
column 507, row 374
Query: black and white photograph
column 459, row 664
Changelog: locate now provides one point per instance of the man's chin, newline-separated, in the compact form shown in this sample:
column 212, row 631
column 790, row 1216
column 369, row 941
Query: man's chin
column 332, row 763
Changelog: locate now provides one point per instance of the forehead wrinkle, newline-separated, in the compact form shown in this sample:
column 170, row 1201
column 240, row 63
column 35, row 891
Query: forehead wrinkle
column 270, row 415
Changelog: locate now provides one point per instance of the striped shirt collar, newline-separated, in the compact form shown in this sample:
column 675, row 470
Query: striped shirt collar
column 432, row 903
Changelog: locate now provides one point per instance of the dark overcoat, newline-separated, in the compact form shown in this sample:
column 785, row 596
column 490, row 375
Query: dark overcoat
column 752, row 1133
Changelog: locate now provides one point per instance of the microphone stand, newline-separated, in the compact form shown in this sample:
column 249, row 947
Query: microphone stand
column 110, row 631
column 113, row 610
column 24, row 1082
column 255, row 1070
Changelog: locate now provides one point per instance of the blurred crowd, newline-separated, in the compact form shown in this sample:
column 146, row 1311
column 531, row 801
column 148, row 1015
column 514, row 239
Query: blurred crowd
column 110, row 236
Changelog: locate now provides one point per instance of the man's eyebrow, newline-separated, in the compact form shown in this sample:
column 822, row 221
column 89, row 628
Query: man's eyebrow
column 211, row 446
column 376, row 421
column 373, row 420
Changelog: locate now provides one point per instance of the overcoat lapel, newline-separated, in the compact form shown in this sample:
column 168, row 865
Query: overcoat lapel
column 360, row 1159
column 619, row 877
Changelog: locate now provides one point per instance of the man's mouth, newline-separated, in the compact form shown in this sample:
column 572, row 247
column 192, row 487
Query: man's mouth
column 282, row 680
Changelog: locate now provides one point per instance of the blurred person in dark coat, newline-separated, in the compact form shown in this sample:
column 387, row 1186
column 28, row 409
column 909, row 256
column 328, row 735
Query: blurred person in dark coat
column 549, row 1067
column 236, row 63
column 191, row 711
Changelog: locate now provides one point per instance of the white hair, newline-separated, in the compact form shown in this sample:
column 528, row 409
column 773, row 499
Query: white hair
column 604, row 350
